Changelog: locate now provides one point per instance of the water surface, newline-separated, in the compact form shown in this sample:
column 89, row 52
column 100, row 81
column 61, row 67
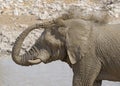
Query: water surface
column 53, row 74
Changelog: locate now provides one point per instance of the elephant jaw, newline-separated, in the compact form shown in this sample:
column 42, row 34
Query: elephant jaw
column 43, row 56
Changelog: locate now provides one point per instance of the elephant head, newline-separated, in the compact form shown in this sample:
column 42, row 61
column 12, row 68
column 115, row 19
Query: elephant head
column 23, row 59
column 64, row 40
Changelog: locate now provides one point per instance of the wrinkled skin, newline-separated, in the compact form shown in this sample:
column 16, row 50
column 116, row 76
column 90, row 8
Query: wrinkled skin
column 91, row 49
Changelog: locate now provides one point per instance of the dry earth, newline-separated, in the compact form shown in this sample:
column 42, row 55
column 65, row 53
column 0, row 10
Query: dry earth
column 10, row 20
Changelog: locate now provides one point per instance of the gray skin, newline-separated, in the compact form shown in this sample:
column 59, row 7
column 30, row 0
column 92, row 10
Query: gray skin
column 91, row 49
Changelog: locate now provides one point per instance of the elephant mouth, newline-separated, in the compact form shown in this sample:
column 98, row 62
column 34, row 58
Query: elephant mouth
column 43, row 56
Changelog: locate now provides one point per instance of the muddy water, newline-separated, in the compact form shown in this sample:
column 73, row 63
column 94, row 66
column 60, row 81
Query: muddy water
column 52, row 74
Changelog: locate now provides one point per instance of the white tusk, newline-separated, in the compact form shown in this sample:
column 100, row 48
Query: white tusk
column 34, row 61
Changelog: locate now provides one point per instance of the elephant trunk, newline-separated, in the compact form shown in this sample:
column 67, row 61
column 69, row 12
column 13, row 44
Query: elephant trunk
column 23, row 59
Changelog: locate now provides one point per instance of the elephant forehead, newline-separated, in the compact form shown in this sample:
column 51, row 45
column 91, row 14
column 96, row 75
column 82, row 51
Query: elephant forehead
column 51, row 38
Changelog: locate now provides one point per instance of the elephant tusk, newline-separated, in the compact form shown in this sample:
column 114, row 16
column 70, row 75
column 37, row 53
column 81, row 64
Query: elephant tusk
column 34, row 61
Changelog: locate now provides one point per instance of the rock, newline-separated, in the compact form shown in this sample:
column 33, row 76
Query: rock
column 20, row 1
column 43, row 15
column 7, row 0
column 16, row 12
column 23, row 25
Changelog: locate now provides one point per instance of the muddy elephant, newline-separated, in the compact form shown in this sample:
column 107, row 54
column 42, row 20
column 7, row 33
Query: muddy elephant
column 91, row 49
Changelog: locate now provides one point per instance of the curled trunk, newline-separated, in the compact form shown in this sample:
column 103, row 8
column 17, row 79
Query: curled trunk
column 23, row 59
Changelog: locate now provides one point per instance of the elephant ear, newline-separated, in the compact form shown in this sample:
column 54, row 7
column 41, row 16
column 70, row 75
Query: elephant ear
column 77, row 37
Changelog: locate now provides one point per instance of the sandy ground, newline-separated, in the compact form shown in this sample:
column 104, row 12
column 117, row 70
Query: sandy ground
column 10, row 20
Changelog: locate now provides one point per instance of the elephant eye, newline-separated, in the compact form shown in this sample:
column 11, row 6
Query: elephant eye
column 62, row 30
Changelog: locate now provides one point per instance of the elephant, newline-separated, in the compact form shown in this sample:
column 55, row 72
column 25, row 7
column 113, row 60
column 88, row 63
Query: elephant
column 91, row 49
